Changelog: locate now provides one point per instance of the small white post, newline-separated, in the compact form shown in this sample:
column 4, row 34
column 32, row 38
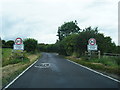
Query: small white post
column 99, row 54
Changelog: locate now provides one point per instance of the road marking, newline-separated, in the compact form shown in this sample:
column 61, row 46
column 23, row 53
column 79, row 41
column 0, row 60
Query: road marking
column 19, row 75
column 57, row 54
column 94, row 71
column 43, row 65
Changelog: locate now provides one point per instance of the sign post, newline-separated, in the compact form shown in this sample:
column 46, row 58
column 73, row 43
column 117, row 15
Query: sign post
column 18, row 46
column 92, row 47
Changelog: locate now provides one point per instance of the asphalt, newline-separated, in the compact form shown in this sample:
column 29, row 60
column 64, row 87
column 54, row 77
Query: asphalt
column 60, row 73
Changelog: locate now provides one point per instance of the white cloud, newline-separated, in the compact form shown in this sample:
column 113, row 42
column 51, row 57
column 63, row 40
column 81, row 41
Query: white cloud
column 40, row 19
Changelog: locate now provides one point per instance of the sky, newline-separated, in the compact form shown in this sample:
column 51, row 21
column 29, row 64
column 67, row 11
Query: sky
column 40, row 19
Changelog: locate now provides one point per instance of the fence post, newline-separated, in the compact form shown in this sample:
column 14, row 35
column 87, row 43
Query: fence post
column 99, row 54
column 85, row 53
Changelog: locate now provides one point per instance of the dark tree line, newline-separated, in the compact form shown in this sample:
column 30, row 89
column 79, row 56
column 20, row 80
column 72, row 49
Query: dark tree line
column 7, row 44
column 47, row 47
column 30, row 44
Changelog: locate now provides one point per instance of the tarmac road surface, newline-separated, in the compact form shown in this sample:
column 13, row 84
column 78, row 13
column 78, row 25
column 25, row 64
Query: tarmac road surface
column 57, row 72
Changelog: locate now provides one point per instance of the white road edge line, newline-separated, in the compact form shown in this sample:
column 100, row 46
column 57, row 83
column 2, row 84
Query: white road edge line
column 94, row 71
column 19, row 75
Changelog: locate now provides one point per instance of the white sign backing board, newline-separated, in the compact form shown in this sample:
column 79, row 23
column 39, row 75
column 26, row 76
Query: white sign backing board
column 91, row 47
column 19, row 47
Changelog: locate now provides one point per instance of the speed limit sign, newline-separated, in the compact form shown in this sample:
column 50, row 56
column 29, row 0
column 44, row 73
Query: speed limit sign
column 18, row 44
column 92, row 44
column 92, row 41
column 18, row 41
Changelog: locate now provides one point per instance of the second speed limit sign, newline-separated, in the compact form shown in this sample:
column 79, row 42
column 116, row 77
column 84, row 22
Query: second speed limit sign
column 92, row 44
column 18, row 41
column 92, row 41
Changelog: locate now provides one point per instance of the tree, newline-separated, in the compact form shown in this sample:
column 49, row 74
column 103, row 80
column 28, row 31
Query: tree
column 30, row 44
column 47, row 47
column 3, row 42
column 77, row 43
column 42, row 47
column 67, row 28
column 61, row 48
column 118, row 49
column 0, row 42
column 105, row 44
column 8, row 44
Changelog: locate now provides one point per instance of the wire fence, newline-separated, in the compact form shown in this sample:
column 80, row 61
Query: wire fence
column 111, row 54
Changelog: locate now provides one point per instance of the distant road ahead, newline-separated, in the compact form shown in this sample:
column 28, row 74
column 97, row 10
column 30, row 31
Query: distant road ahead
column 61, row 74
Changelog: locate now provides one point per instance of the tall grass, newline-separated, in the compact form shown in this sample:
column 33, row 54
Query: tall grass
column 15, row 63
column 105, row 64
column 13, row 58
column 107, row 61
column 6, row 53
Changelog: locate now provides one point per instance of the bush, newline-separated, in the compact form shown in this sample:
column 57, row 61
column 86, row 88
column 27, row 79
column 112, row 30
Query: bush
column 30, row 45
column 105, row 60
column 16, row 58
column 105, row 64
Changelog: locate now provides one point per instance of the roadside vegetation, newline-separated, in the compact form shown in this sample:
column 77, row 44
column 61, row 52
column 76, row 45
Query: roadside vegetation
column 72, row 43
column 0, row 67
column 106, row 64
column 13, row 63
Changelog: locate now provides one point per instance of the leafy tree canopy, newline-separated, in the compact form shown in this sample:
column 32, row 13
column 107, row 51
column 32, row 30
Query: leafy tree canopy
column 30, row 44
column 67, row 28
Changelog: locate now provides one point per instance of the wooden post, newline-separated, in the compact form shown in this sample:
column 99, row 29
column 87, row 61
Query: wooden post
column 99, row 54
column 22, row 54
column 85, row 53
column 89, row 54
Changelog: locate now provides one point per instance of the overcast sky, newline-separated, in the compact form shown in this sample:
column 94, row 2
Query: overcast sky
column 39, row 19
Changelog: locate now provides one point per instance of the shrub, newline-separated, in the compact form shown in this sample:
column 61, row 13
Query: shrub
column 30, row 45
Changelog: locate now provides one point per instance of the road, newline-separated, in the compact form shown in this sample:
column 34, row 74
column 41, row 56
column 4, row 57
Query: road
column 61, row 74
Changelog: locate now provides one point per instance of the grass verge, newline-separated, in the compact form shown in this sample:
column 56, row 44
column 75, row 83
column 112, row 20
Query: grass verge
column 12, row 67
column 105, row 65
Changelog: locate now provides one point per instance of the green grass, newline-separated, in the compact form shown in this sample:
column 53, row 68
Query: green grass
column 15, row 61
column 105, row 64
column 11, row 76
column 107, row 61
column 24, row 65
column 14, row 64
column 6, row 53
column 13, row 58
column 0, row 53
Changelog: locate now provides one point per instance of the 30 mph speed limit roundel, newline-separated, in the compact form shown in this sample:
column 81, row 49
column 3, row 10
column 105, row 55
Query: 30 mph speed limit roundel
column 18, row 41
column 92, row 41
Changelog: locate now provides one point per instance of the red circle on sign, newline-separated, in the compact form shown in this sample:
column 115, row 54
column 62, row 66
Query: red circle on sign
column 92, row 41
column 18, row 41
